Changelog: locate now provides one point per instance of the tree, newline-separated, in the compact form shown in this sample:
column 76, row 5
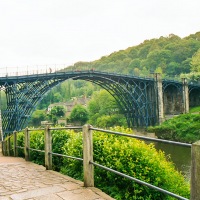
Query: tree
column 104, row 110
column 57, row 97
column 37, row 117
column 195, row 63
column 79, row 114
column 173, row 69
column 55, row 113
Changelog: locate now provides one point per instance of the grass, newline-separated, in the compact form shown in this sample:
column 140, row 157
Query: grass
column 195, row 109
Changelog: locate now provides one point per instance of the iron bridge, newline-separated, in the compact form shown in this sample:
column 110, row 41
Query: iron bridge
column 137, row 97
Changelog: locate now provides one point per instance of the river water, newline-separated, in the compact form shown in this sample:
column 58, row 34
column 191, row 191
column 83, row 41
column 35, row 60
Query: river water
column 179, row 155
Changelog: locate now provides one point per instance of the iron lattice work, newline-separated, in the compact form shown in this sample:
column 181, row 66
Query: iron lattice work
column 136, row 96
column 22, row 98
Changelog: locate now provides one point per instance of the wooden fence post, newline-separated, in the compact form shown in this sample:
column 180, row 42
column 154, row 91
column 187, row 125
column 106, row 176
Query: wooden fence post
column 48, row 148
column 27, row 144
column 2, row 147
column 8, row 146
column 195, row 172
column 15, row 143
column 88, row 169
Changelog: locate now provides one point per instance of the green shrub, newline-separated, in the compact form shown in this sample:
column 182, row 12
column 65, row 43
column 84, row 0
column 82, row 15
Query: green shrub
column 73, row 147
column 59, row 138
column 195, row 109
column 37, row 142
column 183, row 128
column 129, row 156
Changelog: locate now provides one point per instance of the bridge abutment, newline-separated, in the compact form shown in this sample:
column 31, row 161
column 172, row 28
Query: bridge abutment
column 185, row 96
column 160, row 104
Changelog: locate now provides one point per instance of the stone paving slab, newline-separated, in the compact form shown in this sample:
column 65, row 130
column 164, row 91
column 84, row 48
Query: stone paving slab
column 20, row 180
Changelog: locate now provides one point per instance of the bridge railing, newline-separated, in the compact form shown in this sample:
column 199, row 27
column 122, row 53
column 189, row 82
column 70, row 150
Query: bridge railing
column 31, row 70
column 88, row 163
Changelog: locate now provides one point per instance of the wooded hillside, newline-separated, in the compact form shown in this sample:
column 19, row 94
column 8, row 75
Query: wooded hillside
column 169, row 55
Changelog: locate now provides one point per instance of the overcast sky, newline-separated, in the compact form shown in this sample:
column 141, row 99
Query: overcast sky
column 48, row 32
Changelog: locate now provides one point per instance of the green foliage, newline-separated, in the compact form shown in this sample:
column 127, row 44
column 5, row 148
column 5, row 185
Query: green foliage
column 66, row 91
column 73, row 147
column 37, row 142
column 195, row 63
column 79, row 114
column 129, row 156
column 183, row 128
column 21, row 143
column 195, row 109
column 57, row 111
column 107, row 121
column 37, row 117
column 3, row 100
column 165, row 52
column 104, row 111
column 59, row 138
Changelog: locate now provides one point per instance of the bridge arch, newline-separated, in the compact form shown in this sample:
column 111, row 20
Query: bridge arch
column 123, row 92
column 194, row 95
column 134, row 95
column 172, row 97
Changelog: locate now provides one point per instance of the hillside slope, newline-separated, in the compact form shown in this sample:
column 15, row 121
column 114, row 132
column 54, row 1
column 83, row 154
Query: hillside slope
column 169, row 55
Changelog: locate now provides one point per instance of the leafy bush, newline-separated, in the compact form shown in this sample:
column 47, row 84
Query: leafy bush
column 37, row 142
column 20, row 142
column 195, row 109
column 183, row 128
column 129, row 156
column 59, row 138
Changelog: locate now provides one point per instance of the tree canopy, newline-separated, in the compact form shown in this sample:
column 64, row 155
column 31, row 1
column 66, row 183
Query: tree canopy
column 171, row 55
column 55, row 113
column 104, row 110
column 79, row 114
column 195, row 62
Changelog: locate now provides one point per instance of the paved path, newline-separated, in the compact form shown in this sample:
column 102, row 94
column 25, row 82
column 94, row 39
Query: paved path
column 21, row 180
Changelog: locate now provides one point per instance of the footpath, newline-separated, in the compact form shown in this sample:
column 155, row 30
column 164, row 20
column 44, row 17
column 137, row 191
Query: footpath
column 20, row 180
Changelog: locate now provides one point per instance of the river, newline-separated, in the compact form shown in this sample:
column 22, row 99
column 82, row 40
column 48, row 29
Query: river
column 180, row 156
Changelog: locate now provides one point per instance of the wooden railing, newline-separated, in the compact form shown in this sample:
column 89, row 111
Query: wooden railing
column 88, row 163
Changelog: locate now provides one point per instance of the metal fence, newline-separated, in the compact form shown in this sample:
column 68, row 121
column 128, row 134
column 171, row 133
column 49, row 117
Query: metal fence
column 88, row 163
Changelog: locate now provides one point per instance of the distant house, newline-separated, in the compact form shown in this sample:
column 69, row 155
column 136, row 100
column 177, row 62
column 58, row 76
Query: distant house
column 54, row 105
column 69, row 105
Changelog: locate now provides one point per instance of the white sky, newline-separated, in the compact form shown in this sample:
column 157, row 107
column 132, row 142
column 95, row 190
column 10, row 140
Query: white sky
column 48, row 32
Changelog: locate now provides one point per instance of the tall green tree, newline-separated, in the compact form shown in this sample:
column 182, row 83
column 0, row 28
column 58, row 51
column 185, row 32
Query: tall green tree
column 55, row 113
column 195, row 62
column 104, row 110
column 79, row 114
column 37, row 117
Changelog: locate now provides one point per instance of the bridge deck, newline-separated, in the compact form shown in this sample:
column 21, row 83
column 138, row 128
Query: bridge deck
column 25, row 180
